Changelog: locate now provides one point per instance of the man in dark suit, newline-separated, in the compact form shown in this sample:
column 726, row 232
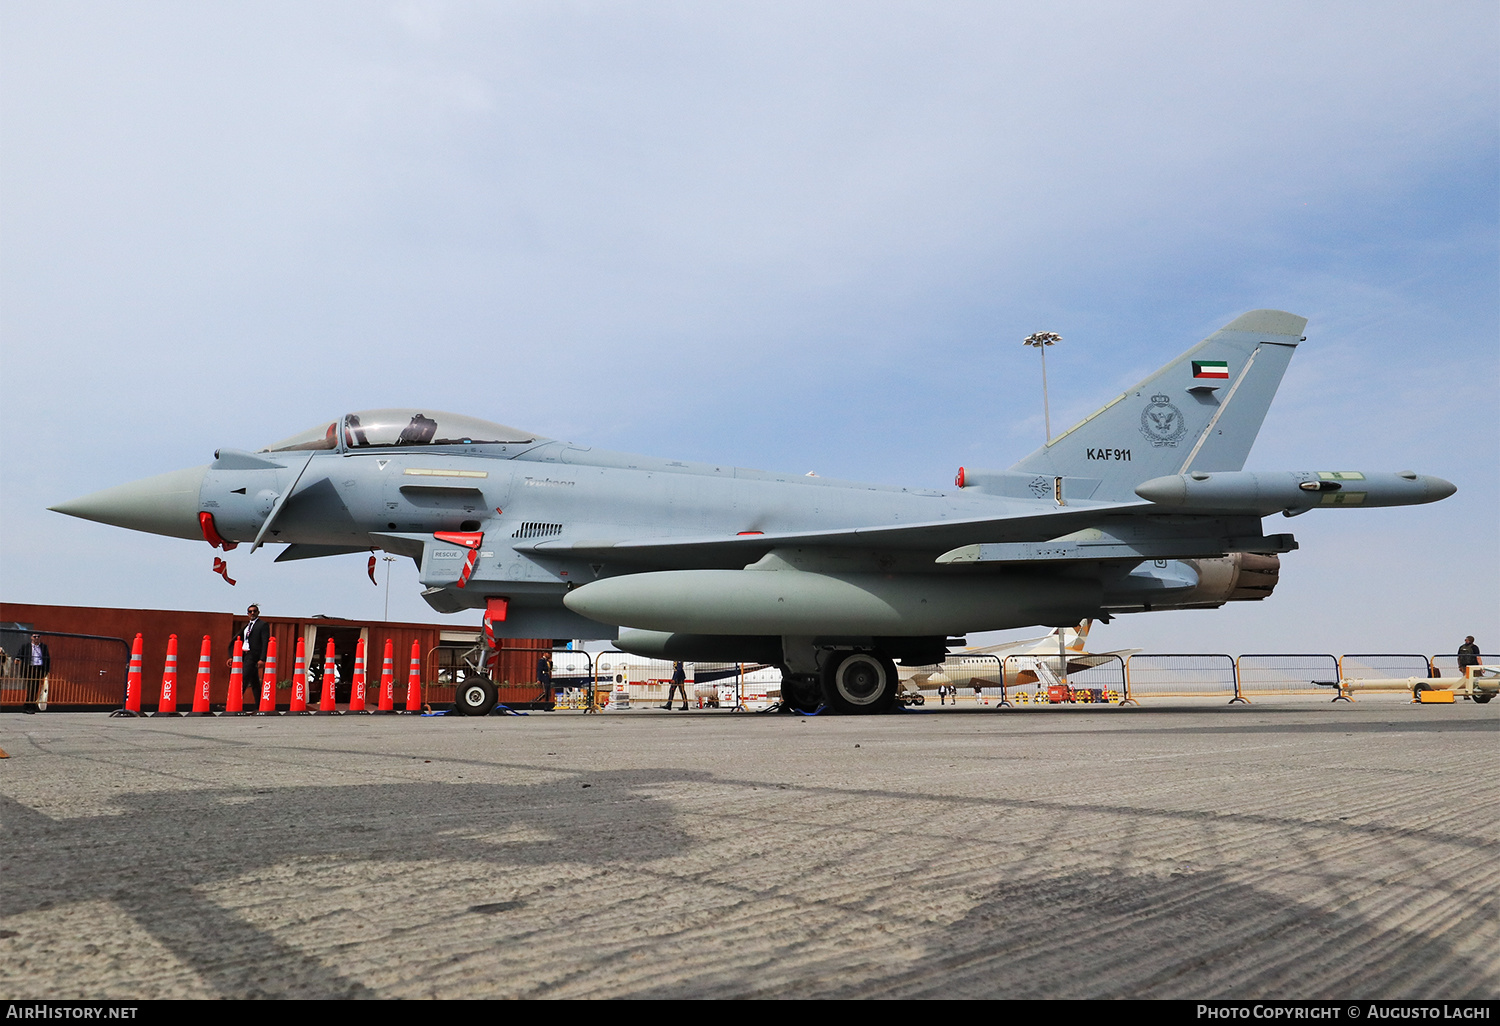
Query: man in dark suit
column 256, row 635
column 32, row 662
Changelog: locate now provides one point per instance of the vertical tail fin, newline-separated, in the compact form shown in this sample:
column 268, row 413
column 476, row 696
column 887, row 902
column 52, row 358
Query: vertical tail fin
column 1080, row 636
column 1202, row 411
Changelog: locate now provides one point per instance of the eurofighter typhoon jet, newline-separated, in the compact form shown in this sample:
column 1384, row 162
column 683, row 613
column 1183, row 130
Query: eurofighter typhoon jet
column 1141, row 506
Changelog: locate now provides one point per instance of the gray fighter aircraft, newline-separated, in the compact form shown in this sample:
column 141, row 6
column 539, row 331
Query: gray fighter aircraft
column 1141, row 506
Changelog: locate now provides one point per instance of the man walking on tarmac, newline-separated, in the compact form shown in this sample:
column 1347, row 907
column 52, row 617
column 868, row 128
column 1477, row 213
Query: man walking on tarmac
column 257, row 635
column 1468, row 655
column 679, row 680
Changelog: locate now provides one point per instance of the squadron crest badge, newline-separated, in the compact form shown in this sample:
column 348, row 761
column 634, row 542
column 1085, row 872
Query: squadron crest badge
column 1162, row 423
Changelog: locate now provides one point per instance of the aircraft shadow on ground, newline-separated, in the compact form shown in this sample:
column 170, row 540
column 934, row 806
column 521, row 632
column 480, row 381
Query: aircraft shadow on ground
column 151, row 859
column 1113, row 932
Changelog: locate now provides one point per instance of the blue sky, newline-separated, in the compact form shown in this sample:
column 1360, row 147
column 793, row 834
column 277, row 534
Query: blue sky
column 797, row 236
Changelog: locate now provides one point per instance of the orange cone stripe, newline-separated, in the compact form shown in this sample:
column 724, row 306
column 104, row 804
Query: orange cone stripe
column 234, row 702
column 414, row 680
column 205, row 677
column 167, row 703
column 268, row 682
column 299, row 679
column 388, row 678
column 357, row 689
column 325, row 704
column 134, row 677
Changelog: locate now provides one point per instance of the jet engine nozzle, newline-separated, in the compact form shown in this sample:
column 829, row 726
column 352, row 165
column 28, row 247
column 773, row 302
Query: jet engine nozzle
column 165, row 504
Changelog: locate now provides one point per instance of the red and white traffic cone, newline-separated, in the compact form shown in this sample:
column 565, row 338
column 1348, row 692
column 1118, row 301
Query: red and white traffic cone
column 268, row 683
column 388, row 680
column 205, row 679
column 414, row 680
column 166, row 705
column 234, row 701
column 325, row 702
column 133, row 679
column 298, row 706
column 357, row 685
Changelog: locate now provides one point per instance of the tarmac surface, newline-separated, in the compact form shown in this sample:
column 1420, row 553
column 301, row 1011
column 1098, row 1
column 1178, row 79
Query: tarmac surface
column 1290, row 849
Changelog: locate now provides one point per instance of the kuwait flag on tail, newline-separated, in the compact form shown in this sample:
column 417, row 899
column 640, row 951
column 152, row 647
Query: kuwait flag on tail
column 1210, row 369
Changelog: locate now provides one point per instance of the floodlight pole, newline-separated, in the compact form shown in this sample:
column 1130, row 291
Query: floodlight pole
column 1041, row 340
column 1062, row 657
column 388, row 561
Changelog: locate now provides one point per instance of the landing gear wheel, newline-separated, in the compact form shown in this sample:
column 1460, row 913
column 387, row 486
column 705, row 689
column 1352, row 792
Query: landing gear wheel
column 860, row 682
column 800, row 692
column 476, row 696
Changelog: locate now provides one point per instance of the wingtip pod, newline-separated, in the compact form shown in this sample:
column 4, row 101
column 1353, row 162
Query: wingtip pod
column 1292, row 491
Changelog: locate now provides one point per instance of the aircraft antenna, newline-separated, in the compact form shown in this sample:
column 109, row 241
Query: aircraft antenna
column 1041, row 340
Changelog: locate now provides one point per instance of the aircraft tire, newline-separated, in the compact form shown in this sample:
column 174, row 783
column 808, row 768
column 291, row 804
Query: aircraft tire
column 860, row 682
column 476, row 697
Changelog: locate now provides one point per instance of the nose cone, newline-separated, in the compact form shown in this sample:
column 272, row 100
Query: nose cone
column 166, row 504
column 1437, row 488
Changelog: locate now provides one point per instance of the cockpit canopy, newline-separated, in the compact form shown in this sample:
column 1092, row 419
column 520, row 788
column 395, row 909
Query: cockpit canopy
column 370, row 429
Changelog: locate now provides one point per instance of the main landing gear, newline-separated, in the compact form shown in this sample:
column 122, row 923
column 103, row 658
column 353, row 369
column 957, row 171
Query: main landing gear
column 849, row 682
column 860, row 682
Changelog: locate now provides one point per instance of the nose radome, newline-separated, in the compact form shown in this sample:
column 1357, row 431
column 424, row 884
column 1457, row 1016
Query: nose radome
column 1438, row 489
column 165, row 504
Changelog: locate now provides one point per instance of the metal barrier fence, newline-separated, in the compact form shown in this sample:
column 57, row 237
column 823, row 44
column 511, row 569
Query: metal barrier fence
column 1100, row 680
column 1026, row 675
column 973, row 671
column 1367, row 667
column 1280, row 674
column 1447, row 665
column 88, row 672
column 979, row 674
column 1180, row 676
column 84, row 671
column 649, row 681
column 1089, row 678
